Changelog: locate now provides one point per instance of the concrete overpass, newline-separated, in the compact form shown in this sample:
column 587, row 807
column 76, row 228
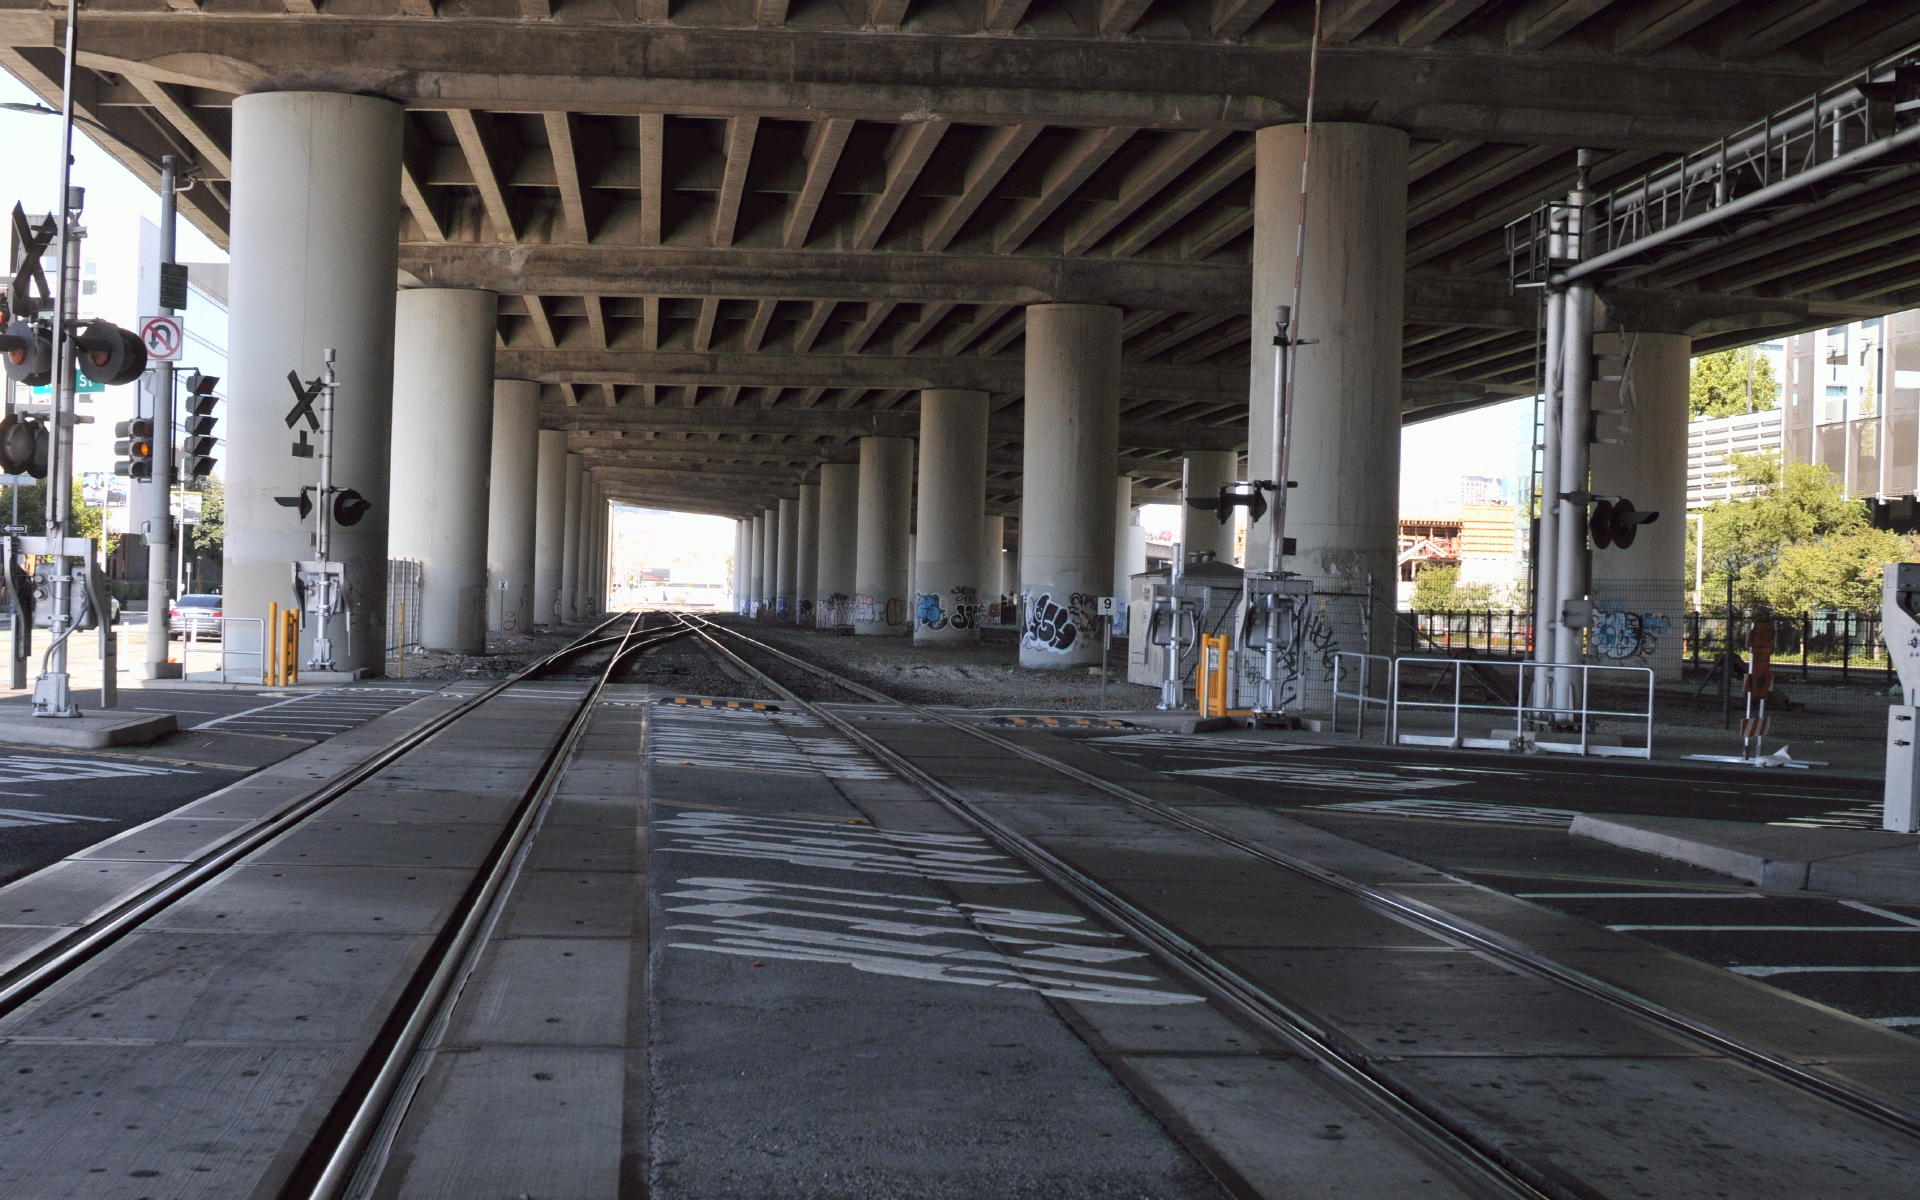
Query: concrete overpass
column 726, row 238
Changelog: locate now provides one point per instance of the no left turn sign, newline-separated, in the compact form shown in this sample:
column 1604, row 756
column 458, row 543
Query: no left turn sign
column 164, row 337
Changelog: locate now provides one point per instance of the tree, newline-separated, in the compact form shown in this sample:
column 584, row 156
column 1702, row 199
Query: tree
column 1718, row 384
column 87, row 522
column 1433, row 589
column 210, row 535
column 1841, row 571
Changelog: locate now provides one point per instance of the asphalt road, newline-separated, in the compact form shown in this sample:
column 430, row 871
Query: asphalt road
column 54, row 803
column 1501, row 821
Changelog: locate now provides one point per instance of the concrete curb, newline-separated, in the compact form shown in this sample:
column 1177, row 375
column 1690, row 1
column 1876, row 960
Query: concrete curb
column 94, row 731
column 1861, row 863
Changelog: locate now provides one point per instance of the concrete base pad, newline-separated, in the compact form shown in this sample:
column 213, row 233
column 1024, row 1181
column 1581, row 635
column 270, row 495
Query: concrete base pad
column 89, row 731
column 1848, row 862
column 1177, row 721
column 165, row 670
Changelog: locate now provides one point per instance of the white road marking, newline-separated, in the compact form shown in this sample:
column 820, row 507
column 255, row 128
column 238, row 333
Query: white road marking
column 912, row 937
column 1771, row 928
column 1333, row 778
column 1197, row 741
column 1862, row 906
column 1895, row 1022
column 744, row 740
column 1640, row 895
column 954, row 858
column 25, row 768
column 14, row 818
column 1460, row 810
column 1763, row 972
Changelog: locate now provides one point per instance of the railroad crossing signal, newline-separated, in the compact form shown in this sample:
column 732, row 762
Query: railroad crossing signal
column 134, row 448
column 1615, row 522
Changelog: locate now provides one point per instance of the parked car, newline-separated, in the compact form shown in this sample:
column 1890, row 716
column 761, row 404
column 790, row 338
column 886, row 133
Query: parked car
column 197, row 614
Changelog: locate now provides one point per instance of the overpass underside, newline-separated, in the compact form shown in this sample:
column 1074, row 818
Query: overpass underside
column 728, row 240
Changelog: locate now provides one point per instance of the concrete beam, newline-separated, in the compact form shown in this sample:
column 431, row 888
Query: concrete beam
column 832, row 422
column 769, row 369
column 803, row 74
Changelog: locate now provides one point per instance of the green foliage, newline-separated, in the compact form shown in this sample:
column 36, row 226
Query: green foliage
column 210, row 535
column 87, row 522
column 1718, row 385
column 1438, row 589
column 1798, row 545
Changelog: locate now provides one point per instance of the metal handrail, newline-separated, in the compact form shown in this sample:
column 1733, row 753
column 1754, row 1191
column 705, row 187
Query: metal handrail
column 1363, row 697
column 1576, row 709
column 227, row 650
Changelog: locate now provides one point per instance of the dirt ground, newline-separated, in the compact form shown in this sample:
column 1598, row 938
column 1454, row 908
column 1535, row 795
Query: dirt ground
column 507, row 653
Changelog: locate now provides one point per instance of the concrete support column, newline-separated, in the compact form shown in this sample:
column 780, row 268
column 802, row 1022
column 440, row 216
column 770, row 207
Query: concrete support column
column 993, row 538
column 512, row 505
column 570, row 543
column 806, row 582
column 1345, row 452
column 1199, row 529
column 947, row 592
column 881, row 550
column 1066, row 512
column 315, row 237
column 443, row 438
column 786, row 557
column 757, row 567
column 740, row 535
column 1122, row 543
column 839, row 544
column 1640, row 593
column 549, row 526
column 593, row 523
column 769, row 562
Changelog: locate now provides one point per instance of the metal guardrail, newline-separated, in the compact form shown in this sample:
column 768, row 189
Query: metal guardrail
column 1540, row 726
column 1348, row 665
column 229, row 651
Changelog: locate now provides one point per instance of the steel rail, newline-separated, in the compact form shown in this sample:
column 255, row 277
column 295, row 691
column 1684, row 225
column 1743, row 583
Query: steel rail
column 1477, row 1160
column 1514, row 954
column 333, row 1157
column 64, row 955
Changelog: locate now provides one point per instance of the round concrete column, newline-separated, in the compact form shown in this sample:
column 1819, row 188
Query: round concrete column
column 443, row 439
column 740, row 535
column 770, row 563
column 806, row 582
column 512, row 493
column 1122, row 550
column 549, row 526
column 1200, row 529
column 1640, row 593
column 839, row 544
column 315, row 235
column 882, row 549
column 786, row 558
column 947, row 595
column 993, row 536
column 756, row 567
column 1345, row 456
column 591, row 511
column 570, row 542
column 1066, row 511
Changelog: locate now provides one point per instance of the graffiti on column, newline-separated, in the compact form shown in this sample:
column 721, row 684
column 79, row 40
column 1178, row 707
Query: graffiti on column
column 930, row 611
column 1054, row 624
column 896, row 611
column 835, row 610
column 1619, row 636
column 783, row 609
column 806, row 613
column 510, row 616
column 866, row 611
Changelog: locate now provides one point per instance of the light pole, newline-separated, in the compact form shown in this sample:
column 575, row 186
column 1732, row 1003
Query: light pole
column 160, row 524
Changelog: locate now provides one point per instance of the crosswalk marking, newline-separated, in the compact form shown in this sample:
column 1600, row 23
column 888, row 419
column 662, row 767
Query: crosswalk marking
column 1313, row 776
column 15, row 818
column 318, row 715
column 744, row 740
column 1461, row 810
column 25, row 768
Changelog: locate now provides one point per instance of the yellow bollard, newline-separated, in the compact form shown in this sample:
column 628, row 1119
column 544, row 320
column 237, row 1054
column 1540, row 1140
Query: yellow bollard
column 290, row 647
column 270, row 648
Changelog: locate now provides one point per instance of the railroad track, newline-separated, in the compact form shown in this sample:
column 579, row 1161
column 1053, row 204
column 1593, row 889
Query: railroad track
column 1431, row 1123
column 360, row 1113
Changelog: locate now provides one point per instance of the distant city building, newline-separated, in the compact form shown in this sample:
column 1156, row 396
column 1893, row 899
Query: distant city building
column 1712, row 442
column 1483, row 489
column 1852, row 404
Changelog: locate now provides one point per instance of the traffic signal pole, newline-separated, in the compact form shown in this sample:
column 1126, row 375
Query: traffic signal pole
column 160, row 527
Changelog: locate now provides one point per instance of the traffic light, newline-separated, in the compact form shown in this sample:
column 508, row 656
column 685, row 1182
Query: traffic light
column 27, row 353
column 348, row 507
column 134, row 448
column 109, row 354
column 1615, row 522
column 197, row 441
